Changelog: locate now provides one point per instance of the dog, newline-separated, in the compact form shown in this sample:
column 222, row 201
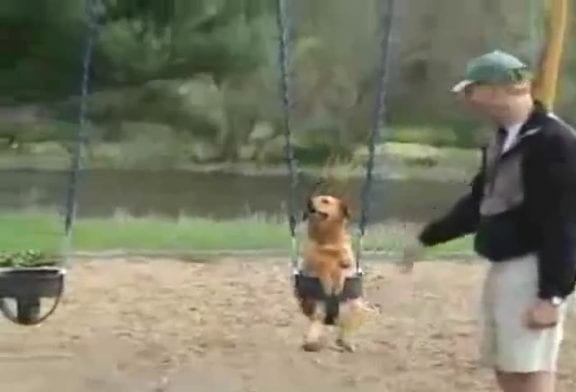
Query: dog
column 328, row 255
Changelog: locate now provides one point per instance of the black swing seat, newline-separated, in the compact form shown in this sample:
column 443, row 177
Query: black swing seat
column 309, row 287
column 27, row 286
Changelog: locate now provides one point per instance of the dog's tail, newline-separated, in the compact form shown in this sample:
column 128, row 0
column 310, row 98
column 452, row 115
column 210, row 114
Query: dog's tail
column 332, row 284
column 332, row 281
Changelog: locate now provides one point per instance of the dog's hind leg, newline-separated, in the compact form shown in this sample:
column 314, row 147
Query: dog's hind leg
column 314, row 339
column 351, row 317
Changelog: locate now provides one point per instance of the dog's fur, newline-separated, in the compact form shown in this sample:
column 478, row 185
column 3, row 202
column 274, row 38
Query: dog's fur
column 328, row 256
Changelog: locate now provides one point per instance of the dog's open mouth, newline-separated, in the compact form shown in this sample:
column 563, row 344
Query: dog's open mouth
column 321, row 215
column 312, row 211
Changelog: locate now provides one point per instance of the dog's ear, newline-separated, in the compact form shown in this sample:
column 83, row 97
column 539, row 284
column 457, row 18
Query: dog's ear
column 345, row 209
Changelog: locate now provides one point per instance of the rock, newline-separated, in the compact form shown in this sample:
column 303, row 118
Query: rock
column 247, row 152
column 202, row 151
column 262, row 130
column 272, row 150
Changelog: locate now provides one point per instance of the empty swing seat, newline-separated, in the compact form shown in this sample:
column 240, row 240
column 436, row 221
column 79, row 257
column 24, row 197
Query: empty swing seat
column 27, row 286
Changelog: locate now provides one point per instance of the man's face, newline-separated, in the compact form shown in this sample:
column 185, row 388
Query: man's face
column 496, row 102
column 488, row 100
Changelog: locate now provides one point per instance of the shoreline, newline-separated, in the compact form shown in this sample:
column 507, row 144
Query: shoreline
column 448, row 175
column 394, row 161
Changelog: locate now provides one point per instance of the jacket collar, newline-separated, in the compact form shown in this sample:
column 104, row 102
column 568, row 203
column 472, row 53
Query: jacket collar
column 535, row 121
column 531, row 127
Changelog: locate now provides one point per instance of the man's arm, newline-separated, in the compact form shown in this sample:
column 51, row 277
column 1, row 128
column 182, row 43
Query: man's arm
column 462, row 219
column 557, row 254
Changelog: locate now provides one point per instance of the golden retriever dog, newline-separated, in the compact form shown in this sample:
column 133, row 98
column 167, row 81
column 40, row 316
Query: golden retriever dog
column 328, row 255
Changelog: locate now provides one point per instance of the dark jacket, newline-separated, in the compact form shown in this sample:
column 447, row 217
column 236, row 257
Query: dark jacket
column 544, row 223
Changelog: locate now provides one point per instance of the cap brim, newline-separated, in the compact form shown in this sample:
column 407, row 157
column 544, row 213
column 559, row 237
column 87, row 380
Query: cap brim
column 459, row 87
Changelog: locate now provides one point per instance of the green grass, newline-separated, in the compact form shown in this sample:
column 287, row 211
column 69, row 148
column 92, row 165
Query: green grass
column 43, row 231
column 440, row 135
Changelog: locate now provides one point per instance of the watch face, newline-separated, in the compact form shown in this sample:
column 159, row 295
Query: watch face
column 556, row 301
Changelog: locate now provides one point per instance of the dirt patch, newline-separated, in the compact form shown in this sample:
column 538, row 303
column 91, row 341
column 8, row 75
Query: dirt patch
column 233, row 326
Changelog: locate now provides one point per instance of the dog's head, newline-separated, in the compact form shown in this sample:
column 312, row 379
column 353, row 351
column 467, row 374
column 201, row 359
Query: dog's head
column 327, row 209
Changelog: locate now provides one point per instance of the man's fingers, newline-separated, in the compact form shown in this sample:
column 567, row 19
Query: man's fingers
column 412, row 253
column 539, row 326
column 406, row 267
column 536, row 320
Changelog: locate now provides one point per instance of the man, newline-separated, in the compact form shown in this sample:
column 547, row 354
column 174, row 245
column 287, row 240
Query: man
column 522, row 209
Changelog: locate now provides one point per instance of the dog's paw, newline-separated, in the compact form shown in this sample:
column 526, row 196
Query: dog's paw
column 314, row 346
column 345, row 345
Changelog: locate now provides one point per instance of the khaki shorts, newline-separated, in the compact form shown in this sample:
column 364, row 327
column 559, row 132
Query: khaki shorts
column 510, row 288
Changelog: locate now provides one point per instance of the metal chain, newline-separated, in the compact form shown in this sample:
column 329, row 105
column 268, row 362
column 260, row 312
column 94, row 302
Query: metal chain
column 83, row 126
column 377, row 123
column 287, row 103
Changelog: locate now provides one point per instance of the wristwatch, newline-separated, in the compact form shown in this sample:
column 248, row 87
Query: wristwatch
column 556, row 301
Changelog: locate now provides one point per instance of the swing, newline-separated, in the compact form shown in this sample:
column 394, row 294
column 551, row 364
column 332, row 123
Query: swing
column 307, row 287
column 27, row 286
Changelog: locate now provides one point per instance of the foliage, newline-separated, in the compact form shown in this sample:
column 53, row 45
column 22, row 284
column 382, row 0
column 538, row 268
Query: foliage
column 207, row 69
column 26, row 259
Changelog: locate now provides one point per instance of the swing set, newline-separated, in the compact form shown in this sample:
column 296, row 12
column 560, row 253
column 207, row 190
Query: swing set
column 28, row 286
column 306, row 286
column 545, row 91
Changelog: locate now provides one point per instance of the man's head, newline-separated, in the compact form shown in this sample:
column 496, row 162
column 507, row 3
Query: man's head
column 499, row 86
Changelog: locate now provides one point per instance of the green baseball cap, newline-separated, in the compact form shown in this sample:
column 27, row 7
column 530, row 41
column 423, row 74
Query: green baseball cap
column 496, row 67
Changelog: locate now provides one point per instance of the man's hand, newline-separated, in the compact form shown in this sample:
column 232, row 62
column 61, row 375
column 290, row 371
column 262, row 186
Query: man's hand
column 412, row 253
column 543, row 314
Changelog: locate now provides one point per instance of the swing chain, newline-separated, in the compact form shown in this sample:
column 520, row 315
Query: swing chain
column 94, row 11
column 377, row 123
column 287, row 103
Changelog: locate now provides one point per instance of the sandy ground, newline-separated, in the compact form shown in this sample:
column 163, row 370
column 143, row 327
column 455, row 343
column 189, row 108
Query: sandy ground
column 230, row 326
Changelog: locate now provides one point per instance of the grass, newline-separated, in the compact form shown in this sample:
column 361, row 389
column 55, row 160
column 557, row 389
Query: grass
column 43, row 231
